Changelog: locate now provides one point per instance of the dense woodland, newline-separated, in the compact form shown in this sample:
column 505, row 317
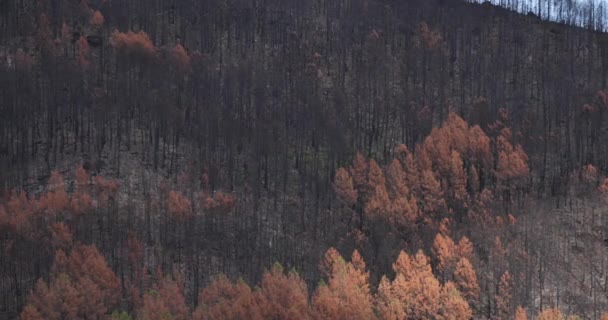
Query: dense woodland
column 289, row 159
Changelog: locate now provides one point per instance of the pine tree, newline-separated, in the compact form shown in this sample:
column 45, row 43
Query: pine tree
column 225, row 300
column 346, row 294
column 550, row 314
column 283, row 296
column 520, row 314
column 504, row 296
column 344, row 188
column 466, row 281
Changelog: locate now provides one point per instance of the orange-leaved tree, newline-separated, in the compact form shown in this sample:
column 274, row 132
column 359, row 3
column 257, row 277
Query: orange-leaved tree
column 520, row 314
column 283, row 296
column 164, row 301
column 550, row 314
column 224, row 300
column 466, row 281
column 415, row 293
column 504, row 296
column 344, row 188
column 81, row 286
column 346, row 295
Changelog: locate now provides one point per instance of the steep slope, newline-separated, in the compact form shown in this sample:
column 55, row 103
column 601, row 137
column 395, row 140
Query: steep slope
column 238, row 115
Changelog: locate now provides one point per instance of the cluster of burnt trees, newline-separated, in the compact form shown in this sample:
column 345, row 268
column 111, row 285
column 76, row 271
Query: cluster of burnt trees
column 82, row 286
column 225, row 130
column 460, row 183
column 263, row 89
column 43, row 236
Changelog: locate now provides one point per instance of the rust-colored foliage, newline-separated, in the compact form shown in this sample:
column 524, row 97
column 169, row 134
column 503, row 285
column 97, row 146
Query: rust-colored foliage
column 479, row 146
column 418, row 289
column 382, row 197
column 464, row 249
column 97, row 19
column 415, row 293
column 58, row 300
column 588, row 109
column 164, row 301
column 346, row 294
column 378, row 204
column 375, row 177
column 432, row 202
column 474, row 182
column 602, row 97
column 445, row 152
column 359, row 264
column 403, row 211
column 84, row 52
column 343, row 186
column 589, row 174
column 457, row 178
column 401, row 152
column 153, row 308
column 223, row 300
column 437, row 147
column 466, row 281
column 453, row 140
column 603, row 187
column 85, row 262
column 550, row 314
column 136, row 251
column 81, row 199
column 453, row 307
column 178, row 205
column 134, row 44
column 396, row 182
column 82, row 177
column 139, row 274
column 81, row 202
column 61, row 236
column 456, row 131
column 498, row 253
column 387, row 303
column 504, row 296
column 512, row 161
column 31, row 313
column 450, row 255
column 412, row 175
column 181, row 58
column 358, row 171
column 444, row 226
column 283, row 296
column 429, row 38
column 18, row 213
column 520, row 314
column 81, row 286
column 220, row 203
column 444, row 250
column 56, row 199
column 375, row 193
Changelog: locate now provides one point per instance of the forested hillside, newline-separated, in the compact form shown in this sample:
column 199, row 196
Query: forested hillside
column 290, row 159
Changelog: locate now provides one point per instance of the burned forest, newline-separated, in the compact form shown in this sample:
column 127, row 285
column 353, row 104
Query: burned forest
column 303, row 159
